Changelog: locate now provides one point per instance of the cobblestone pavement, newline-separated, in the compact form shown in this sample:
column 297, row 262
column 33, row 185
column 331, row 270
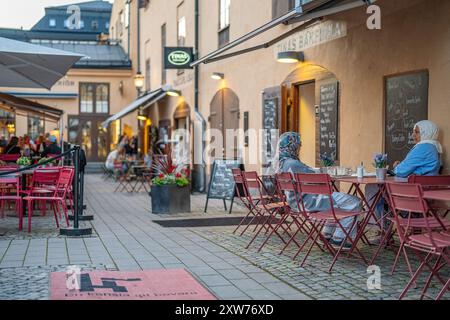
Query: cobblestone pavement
column 126, row 238
column 348, row 279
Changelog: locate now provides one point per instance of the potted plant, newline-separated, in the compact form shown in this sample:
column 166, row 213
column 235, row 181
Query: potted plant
column 327, row 164
column 170, row 191
column 380, row 164
column 23, row 162
column 43, row 160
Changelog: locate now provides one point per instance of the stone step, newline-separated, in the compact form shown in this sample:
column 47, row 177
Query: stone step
column 94, row 167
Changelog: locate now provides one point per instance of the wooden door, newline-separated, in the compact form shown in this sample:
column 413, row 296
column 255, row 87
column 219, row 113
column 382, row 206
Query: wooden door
column 224, row 115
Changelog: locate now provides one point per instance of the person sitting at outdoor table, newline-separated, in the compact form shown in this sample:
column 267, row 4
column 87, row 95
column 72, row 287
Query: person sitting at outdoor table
column 289, row 148
column 52, row 147
column 424, row 159
column 111, row 159
column 12, row 147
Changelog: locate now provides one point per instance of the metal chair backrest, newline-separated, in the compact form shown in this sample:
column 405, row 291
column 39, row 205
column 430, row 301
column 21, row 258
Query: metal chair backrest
column 409, row 197
column 253, row 186
column 431, row 182
column 314, row 184
column 45, row 176
column 287, row 187
column 9, row 157
column 64, row 181
column 9, row 181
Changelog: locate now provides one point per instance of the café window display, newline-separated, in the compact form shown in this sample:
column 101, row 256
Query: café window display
column 7, row 124
column 36, row 126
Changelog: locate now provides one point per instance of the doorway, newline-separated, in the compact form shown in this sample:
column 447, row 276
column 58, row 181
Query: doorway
column 307, row 121
column 224, row 115
column 87, row 131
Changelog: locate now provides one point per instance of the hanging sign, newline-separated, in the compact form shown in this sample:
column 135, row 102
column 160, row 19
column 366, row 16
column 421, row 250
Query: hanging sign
column 178, row 57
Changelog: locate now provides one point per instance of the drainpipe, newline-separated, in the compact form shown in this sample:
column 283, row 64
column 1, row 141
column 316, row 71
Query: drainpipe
column 199, row 123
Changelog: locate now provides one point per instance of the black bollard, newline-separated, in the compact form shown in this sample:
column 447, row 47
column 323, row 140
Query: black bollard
column 76, row 231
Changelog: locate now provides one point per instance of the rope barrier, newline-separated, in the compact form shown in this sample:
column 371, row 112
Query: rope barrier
column 69, row 152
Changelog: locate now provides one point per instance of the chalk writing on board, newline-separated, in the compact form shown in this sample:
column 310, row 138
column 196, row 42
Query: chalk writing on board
column 329, row 119
column 406, row 104
column 222, row 182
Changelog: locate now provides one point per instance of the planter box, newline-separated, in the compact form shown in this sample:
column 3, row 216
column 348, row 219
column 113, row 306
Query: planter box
column 170, row 199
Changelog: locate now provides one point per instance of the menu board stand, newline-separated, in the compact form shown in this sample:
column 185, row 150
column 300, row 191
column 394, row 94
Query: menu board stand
column 221, row 184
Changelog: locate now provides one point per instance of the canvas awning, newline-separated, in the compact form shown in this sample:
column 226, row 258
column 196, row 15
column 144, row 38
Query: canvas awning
column 305, row 10
column 13, row 103
column 26, row 65
column 142, row 102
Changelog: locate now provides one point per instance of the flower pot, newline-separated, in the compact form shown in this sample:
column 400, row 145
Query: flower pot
column 381, row 173
column 170, row 199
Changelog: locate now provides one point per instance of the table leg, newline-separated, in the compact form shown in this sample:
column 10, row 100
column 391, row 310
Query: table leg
column 23, row 182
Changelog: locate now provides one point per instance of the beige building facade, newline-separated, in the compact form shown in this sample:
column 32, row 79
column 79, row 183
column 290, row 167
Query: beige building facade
column 376, row 83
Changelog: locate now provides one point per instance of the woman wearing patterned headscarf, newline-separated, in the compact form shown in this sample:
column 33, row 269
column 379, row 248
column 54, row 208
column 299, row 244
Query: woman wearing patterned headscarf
column 289, row 148
column 424, row 158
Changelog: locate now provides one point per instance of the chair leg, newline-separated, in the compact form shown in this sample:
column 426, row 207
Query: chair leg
column 413, row 279
column 427, row 284
column 65, row 212
column 20, row 209
column 444, row 290
column 30, row 214
column 56, row 216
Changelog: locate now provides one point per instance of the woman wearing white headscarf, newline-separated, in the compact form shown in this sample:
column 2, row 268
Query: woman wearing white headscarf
column 424, row 158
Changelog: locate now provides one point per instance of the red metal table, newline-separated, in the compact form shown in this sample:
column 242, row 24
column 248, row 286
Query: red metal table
column 437, row 194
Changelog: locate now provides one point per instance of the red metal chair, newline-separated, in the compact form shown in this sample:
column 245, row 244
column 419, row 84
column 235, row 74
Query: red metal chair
column 287, row 186
column 57, row 198
column 414, row 224
column 243, row 196
column 9, row 157
column 11, row 192
column 43, row 182
column 321, row 184
column 430, row 242
column 267, row 209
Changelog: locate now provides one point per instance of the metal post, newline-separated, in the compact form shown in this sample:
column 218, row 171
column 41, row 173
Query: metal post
column 76, row 190
column 76, row 231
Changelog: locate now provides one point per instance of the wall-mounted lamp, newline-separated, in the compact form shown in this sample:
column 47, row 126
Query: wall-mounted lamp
column 139, row 81
column 142, row 117
column 173, row 93
column 290, row 57
column 218, row 76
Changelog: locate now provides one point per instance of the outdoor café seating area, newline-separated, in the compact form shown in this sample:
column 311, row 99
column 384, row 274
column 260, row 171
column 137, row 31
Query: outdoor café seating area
column 30, row 194
column 413, row 222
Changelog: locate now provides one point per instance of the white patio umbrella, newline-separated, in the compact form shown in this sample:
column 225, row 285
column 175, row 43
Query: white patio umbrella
column 27, row 65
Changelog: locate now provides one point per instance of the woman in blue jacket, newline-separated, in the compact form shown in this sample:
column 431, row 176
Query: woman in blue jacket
column 424, row 158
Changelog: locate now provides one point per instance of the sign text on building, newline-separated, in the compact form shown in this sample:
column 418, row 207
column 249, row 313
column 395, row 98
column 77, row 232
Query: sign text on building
column 313, row 36
column 178, row 57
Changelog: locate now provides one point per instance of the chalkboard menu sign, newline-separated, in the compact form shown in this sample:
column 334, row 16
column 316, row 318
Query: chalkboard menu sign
column 221, row 185
column 406, row 104
column 328, row 108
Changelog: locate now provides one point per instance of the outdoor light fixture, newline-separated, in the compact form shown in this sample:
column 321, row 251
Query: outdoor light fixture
column 139, row 81
column 173, row 93
column 142, row 117
column 290, row 57
column 217, row 76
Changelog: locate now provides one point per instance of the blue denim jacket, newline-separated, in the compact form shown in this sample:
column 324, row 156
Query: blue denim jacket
column 422, row 160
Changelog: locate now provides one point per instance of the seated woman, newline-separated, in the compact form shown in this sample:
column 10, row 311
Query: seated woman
column 12, row 147
column 423, row 159
column 289, row 148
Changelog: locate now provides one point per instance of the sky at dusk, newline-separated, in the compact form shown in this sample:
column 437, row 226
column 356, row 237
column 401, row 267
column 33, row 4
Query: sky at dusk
column 25, row 13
